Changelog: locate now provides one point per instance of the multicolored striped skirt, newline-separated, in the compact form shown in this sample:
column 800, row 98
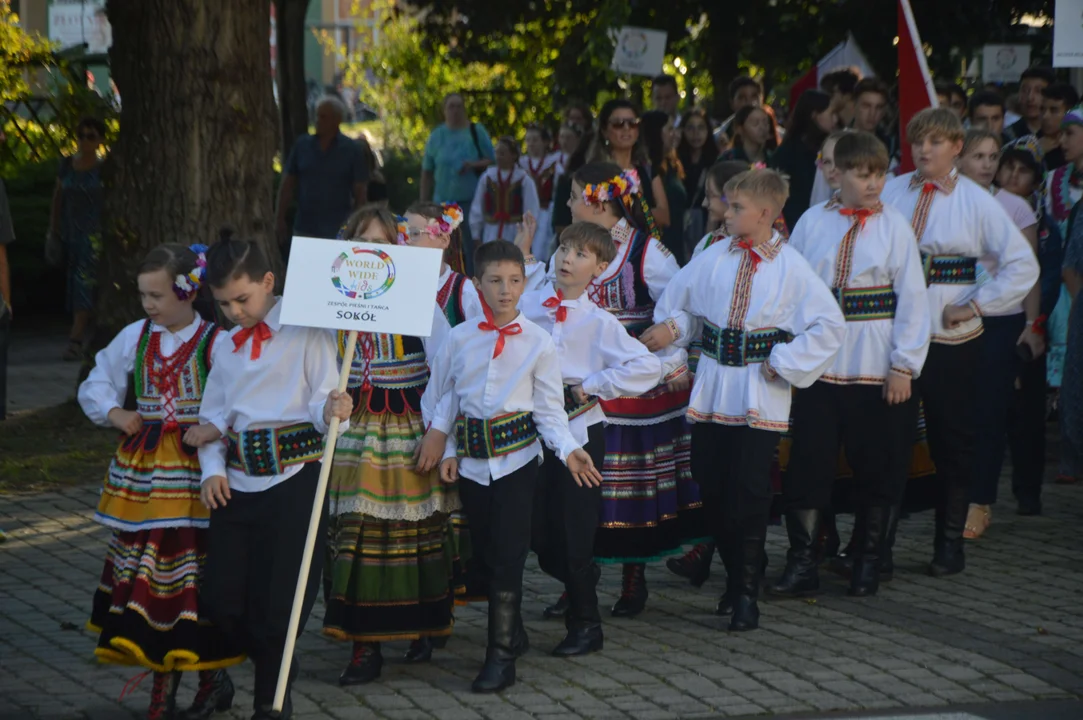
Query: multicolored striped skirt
column 146, row 607
column 391, row 565
column 650, row 504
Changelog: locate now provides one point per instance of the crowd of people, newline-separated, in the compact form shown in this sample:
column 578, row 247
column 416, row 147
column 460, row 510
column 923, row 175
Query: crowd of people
column 649, row 333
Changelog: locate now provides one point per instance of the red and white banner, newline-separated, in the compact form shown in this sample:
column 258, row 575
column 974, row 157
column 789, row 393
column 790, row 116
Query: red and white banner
column 845, row 54
column 916, row 90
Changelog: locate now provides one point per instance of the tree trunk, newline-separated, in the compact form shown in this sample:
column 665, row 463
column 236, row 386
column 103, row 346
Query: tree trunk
column 197, row 136
column 290, row 71
column 723, row 52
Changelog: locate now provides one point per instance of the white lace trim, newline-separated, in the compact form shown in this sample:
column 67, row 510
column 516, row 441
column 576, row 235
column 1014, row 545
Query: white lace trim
column 643, row 422
column 439, row 503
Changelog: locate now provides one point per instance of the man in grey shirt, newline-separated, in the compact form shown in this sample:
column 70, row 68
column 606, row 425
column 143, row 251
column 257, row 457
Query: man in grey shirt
column 327, row 172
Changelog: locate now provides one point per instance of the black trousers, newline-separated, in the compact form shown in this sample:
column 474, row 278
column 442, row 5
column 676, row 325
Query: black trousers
column 878, row 439
column 998, row 367
column 5, row 340
column 565, row 521
column 948, row 385
column 255, row 544
column 732, row 466
column 1026, row 432
column 499, row 515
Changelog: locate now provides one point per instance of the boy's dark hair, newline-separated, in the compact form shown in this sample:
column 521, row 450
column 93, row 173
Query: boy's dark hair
column 592, row 238
column 1019, row 156
column 497, row 251
column 1063, row 92
column 860, row 151
column 511, row 144
column 985, row 97
column 871, row 85
column 541, row 130
column 743, row 81
column 91, row 123
column 1039, row 72
column 174, row 258
column 949, row 89
column 229, row 259
column 844, row 80
column 664, row 79
column 720, row 173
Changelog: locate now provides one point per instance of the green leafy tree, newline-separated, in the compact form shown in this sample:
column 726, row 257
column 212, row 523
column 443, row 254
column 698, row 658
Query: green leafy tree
column 19, row 50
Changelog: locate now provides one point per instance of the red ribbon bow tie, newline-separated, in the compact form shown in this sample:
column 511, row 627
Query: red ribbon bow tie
column 929, row 187
column 746, row 244
column 554, row 302
column 861, row 214
column 502, row 332
column 259, row 333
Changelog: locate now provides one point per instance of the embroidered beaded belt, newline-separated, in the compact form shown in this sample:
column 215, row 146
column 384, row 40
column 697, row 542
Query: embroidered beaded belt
column 949, row 269
column 483, row 439
column 260, row 453
column 873, row 303
column 738, row 348
column 572, row 406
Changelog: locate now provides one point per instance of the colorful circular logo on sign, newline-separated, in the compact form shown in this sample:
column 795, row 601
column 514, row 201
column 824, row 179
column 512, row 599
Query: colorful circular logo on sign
column 363, row 273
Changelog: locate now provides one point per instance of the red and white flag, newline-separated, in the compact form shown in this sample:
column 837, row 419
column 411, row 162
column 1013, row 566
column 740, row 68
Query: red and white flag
column 916, row 90
column 845, row 54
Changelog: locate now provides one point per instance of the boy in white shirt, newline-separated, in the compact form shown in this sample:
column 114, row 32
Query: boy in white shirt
column 272, row 397
column 955, row 222
column 496, row 388
column 867, row 255
column 599, row 360
column 769, row 323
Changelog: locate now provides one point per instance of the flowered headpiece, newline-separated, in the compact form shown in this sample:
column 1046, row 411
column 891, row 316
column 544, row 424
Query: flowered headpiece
column 185, row 286
column 763, row 166
column 622, row 186
column 1072, row 117
column 404, row 230
column 1028, row 144
column 451, row 218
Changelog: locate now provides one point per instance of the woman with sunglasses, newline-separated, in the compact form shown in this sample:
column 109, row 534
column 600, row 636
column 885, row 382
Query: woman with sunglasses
column 617, row 140
column 75, row 224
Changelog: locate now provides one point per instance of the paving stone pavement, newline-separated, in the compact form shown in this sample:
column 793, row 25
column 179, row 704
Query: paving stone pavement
column 1006, row 630
column 37, row 377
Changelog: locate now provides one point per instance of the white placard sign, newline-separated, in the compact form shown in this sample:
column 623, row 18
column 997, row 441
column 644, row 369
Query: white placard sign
column 1004, row 63
column 361, row 286
column 639, row 51
column 75, row 23
column 1068, row 33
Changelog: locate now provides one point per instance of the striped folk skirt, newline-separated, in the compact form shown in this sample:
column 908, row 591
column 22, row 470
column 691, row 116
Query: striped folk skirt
column 146, row 607
column 391, row 561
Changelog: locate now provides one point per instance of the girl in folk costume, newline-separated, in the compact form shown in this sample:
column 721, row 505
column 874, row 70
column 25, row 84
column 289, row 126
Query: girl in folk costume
column 146, row 608
column 648, row 481
column 437, row 226
column 505, row 193
column 542, row 166
column 389, row 569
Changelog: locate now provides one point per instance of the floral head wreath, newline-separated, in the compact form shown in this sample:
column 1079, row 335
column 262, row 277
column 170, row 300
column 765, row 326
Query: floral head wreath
column 622, row 186
column 403, row 230
column 1072, row 117
column 186, row 285
column 451, row 218
column 763, row 166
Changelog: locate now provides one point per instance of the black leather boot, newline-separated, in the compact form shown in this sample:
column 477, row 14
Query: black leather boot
column 887, row 554
column 801, row 576
column 726, row 551
column 633, row 594
column 584, row 622
column 746, row 613
column 163, row 696
column 420, row 651
column 948, row 558
column 498, row 672
column 215, row 694
column 695, row 565
column 865, row 578
column 366, row 664
column 827, row 539
column 558, row 609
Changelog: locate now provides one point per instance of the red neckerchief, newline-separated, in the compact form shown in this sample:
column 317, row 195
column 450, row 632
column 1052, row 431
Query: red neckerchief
column 944, row 184
column 860, row 214
column 490, row 326
column 747, row 245
column 554, row 302
column 534, row 171
column 259, row 333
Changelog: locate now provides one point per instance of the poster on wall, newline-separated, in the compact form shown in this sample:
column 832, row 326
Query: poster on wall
column 1068, row 33
column 1004, row 63
column 79, row 22
column 639, row 51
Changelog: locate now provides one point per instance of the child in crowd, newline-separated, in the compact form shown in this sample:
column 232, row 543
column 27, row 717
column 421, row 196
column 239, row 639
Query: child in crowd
column 148, row 605
column 956, row 222
column 271, row 395
column 599, row 360
column 542, row 165
column 390, row 560
column 495, row 387
column 768, row 323
column 1003, row 331
column 505, row 194
column 867, row 256
column 827, row 180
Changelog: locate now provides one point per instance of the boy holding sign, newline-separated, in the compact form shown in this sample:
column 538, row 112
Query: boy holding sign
column 272, row 398
column 497, row 384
